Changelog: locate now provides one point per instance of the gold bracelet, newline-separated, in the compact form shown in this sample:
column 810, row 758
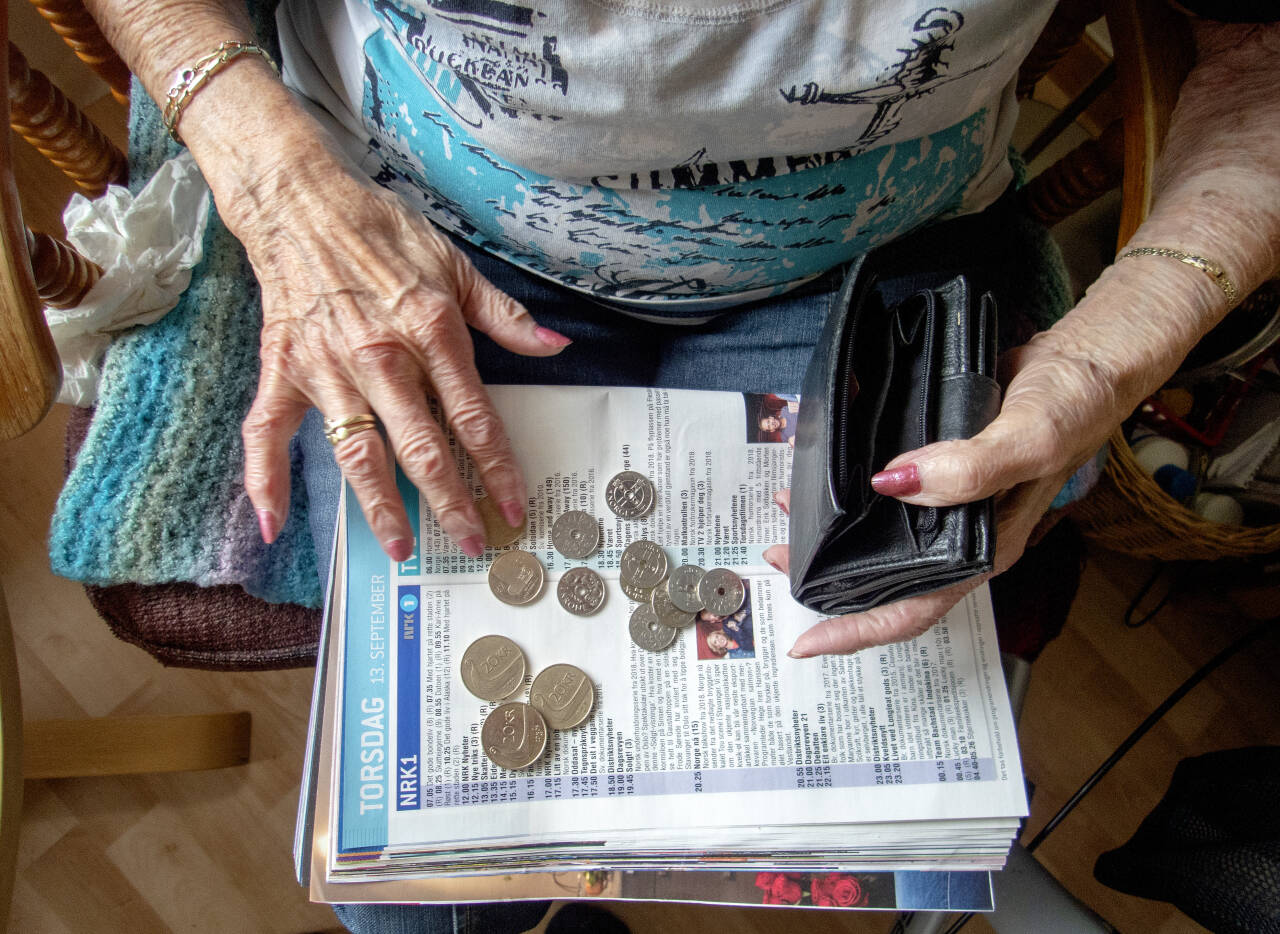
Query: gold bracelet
column 193, row 79
column 1213, row 270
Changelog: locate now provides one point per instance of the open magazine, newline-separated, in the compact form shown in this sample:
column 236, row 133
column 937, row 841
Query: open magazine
column 718, row 770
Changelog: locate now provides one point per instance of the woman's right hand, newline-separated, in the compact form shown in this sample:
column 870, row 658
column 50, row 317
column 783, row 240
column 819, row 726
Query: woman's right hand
column 365, row 310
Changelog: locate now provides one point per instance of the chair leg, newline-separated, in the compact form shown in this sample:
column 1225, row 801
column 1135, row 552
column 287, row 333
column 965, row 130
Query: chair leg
column 132, row 745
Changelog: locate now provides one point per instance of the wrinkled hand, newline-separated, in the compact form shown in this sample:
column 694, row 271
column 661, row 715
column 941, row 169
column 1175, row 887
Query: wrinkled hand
column 1058, row 411
column 365, row 309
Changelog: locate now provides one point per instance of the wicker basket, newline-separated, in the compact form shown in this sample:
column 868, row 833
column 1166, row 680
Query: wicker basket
column 1128, row 512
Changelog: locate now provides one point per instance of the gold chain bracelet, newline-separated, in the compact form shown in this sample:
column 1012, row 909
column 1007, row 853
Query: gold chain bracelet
column 194, row 78
column 1213, row 270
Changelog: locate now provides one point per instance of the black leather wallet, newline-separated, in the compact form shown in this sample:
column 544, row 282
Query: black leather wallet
column 887, row 378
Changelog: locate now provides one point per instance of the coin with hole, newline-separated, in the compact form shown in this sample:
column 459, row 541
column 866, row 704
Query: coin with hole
column 643, row 563
column 581, row 591
column 722, row 592
column 682, row 587
column 648, row 632
column 575, row 534
column 630, row 495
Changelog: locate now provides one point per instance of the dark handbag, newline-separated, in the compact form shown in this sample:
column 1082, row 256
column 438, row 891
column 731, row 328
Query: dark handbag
column 887, row 377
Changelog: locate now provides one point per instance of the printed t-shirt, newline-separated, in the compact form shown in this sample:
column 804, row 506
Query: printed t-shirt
column 677, row 156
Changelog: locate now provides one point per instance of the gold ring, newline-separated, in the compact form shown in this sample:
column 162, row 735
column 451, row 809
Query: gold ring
column 343, row 428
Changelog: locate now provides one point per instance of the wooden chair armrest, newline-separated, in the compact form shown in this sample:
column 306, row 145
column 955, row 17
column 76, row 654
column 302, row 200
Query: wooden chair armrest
column 29, row 370
column 1154, row 52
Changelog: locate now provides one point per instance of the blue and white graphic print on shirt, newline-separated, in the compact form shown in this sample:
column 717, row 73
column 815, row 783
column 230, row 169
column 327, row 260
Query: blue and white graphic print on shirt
column 699, row 235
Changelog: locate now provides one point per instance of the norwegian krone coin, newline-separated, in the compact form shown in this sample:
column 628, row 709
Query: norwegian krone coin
column 581, row 591
column 514, row 736
column 497, row 534
column 682, row 587
column 722, row 591
column 648, row 632
column 493, row 668
column 668, row 613
column 564, row 695
column 575, row 534
column 630, row 495
column 643, row 563
column 516, row 577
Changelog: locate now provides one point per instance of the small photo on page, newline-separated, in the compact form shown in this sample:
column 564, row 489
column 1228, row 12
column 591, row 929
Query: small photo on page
column 721, row 637
column 771, row 418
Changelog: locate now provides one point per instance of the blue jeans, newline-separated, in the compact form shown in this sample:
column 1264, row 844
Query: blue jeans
column 495, row 918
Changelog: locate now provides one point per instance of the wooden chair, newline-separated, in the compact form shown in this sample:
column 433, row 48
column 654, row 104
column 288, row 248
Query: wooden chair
column 177, row 623
column 1153, row 53
column 41, row 269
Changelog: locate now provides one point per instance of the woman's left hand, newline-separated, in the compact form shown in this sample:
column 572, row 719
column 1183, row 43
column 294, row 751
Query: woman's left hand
column 1059, row 408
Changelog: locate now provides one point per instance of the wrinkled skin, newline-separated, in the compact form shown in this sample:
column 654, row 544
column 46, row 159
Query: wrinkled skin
column 365, row 309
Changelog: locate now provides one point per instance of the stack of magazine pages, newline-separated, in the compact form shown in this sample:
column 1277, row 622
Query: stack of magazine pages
column 717, row 770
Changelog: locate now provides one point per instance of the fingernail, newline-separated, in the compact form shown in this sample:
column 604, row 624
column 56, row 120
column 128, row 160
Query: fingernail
column 267, row 525
column 552, row 338
column 901, row 481
column 773, row 564
column 472, row 545
column 512, row 511
column 400, row 549
column 792, row 653
column 782, row 504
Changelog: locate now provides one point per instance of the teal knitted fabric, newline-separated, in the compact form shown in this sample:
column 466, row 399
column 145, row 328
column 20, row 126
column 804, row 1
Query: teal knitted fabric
column 156, row 494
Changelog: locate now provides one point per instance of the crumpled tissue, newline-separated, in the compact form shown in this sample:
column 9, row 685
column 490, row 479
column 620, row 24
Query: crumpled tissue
column 146, row 246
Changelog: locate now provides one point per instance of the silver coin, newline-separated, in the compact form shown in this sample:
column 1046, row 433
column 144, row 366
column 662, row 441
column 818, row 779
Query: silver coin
column 581, row 591
column 514, row 736
column 638, row 594
column 682, row 587
column 630, row 495
column 576, row 534
column 564, row 695
column 668, row 613
column 722, row 592
column 516, row 577
column 493, row 668
column 497, row 534
column 643, row 563
column 648, row 632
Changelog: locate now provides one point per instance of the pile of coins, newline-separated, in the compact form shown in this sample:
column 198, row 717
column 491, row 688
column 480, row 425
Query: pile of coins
column 515, row 735
column 669, row 600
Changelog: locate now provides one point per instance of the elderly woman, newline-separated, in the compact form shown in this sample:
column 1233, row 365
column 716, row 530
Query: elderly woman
column 694, row 168
column 670, row 187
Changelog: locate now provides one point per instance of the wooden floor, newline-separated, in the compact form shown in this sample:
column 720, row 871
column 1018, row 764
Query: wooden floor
column 210, row 852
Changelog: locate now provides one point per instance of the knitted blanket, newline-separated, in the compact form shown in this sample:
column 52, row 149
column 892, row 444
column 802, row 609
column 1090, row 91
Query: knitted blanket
column 156, row 493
